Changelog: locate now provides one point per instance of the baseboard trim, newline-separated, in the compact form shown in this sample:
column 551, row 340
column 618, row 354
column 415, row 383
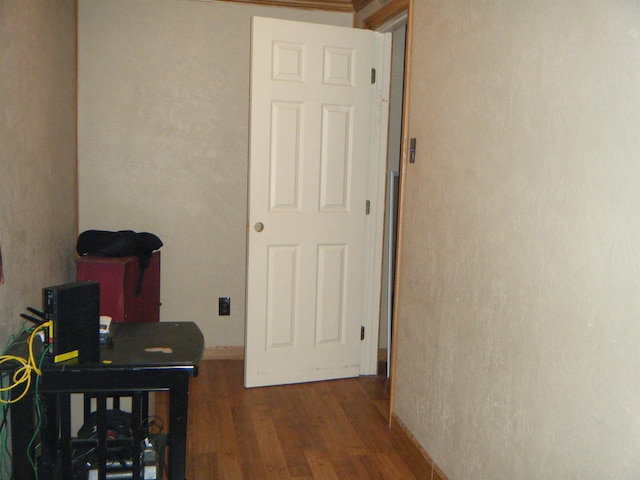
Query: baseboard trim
column 237, row 353
column 223, row 353
column 400, row 428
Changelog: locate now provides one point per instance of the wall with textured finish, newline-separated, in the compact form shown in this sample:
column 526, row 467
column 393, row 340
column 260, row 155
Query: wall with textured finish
column 37, row 153
column 163, row 141
column 520, row 290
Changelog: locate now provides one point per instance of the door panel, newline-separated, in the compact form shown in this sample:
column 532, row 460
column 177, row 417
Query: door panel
column 312, row 113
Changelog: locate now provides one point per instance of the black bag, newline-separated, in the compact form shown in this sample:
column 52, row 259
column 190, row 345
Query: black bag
column 124, row 243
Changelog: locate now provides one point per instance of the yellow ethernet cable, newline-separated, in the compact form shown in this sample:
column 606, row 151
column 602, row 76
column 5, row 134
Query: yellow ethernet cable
column 22, row 375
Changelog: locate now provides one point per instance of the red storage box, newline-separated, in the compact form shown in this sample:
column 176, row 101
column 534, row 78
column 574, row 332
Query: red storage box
column 118, row 278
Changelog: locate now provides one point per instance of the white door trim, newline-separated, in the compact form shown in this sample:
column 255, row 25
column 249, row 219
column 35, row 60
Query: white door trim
column 375, row 226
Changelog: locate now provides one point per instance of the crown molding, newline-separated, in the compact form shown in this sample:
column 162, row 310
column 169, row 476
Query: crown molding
column 386, row 13
column 327, row 5
column 360, row 4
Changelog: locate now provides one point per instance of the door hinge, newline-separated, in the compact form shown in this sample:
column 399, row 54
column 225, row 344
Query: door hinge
column 362, row 333
column 368, row 207
column 373, row 75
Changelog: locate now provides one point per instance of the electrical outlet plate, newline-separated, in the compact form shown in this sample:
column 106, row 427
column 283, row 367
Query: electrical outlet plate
column 224, row 306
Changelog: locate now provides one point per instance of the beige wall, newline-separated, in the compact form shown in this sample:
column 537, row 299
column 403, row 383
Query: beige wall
column 518, row 348
column 37, row 153
column 163, row 141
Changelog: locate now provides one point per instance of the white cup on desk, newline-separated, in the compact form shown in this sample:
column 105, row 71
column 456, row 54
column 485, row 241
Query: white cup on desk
column 105, row 322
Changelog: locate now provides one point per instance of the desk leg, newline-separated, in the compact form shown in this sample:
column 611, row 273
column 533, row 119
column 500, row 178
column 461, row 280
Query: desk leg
column 64, row 406
column 101, row 430
column 22, row 429
column 48, row 436
column 136, row 433
column 178, row 408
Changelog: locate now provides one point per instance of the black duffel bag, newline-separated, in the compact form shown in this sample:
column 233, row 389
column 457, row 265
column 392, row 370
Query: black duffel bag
column 123, row 243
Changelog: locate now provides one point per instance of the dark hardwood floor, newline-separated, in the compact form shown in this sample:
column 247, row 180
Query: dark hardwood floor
column 322, row 430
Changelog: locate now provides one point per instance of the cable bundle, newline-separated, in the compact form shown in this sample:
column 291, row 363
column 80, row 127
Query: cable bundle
column 22, row 375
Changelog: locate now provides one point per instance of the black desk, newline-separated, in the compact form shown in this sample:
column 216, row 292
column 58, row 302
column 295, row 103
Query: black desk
column 143, row 357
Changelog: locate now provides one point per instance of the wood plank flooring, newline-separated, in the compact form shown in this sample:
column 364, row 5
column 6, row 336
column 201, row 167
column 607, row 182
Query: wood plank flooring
column 322, row 430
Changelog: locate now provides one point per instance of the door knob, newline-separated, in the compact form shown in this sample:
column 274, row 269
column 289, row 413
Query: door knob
column 258, row 227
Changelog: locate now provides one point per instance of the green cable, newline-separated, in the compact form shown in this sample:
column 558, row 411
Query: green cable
column 32, row 447
column 12, row 340
column 5, row 457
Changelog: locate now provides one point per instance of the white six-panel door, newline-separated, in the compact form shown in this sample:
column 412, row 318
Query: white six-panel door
column 313, row 105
